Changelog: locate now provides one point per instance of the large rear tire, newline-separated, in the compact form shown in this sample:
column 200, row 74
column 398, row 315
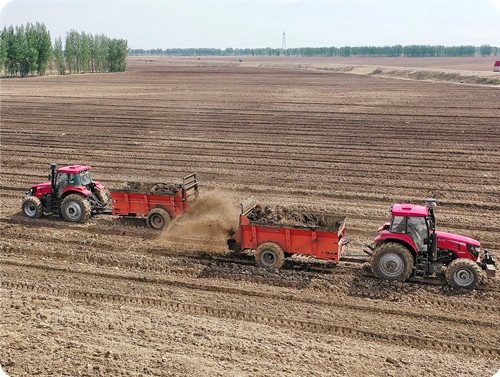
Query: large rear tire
column 392, row 261
column 32, row 207
column 103, row 195
column 270, row 255
column 464, row 273
column 75, row 208
column 158, row 218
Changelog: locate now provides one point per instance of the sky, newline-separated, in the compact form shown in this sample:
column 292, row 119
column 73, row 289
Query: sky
column 151, row 24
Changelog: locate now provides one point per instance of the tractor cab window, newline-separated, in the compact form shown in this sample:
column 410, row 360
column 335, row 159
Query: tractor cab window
column 61, row 182
column 86, row 177
column 74, row 180
column 398, row 224
column 417, row 229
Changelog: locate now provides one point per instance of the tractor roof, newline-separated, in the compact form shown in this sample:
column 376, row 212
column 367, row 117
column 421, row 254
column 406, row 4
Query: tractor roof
column 409, row 210
column 73, row 169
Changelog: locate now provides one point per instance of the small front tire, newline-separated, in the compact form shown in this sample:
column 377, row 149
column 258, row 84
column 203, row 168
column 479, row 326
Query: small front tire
column 464, row 273
column 32, row 207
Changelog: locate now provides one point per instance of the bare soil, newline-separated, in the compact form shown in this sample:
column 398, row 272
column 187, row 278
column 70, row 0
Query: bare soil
column 347, row 136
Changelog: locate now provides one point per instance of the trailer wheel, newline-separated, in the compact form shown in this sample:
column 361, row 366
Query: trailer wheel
column 158, row 218
column 32, row 207
column 75, row 208
column 270, row 255
column 464, row 273
column 392, row 261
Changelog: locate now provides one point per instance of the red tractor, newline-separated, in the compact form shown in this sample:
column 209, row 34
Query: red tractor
column 70, row 193
column 410, row 244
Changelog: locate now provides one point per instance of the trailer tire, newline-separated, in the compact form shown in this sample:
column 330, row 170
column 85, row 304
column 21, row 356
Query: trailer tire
column 464, row 273
column 270, row 255
column 75, row 208
column 32, row 207
column 158, row 218
column 392, row 261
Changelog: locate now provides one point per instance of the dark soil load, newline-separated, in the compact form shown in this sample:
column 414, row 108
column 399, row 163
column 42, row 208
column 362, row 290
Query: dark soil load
column 282, row 216
column 152, row 188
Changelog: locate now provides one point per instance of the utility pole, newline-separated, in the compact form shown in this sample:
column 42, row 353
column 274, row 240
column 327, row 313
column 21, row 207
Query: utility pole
column 283, row 44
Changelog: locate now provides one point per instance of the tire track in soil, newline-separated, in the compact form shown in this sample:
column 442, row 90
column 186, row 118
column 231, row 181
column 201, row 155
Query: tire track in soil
column 439, row 303
column 259, row 318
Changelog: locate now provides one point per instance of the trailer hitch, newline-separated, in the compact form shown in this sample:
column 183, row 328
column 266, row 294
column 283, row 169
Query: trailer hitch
column 366, row 248
column 357, row 258
column 489, row 264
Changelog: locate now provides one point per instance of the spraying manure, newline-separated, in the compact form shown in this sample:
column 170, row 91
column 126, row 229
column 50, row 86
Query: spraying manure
column 206, row 227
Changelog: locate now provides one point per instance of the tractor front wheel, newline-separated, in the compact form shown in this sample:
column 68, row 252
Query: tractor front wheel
column 158, row 218
column 270, row 255
column 32, row 207
column 392, row 261
column 464, row 273
column 75, row 208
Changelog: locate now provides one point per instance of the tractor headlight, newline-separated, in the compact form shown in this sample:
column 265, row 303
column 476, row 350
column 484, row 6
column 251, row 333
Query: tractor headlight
column 474, row 250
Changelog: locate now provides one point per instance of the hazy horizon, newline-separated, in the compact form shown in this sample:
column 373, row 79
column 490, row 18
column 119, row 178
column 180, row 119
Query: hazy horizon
column 152, row 24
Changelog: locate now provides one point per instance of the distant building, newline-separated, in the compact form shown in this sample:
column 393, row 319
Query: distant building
column 496, row 68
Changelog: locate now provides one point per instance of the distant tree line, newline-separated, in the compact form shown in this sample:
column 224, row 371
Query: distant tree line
column 27, row 50
column 397, row 50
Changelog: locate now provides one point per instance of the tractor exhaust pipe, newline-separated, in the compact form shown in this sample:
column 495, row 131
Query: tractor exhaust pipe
column 431, row 204
column 52, row 176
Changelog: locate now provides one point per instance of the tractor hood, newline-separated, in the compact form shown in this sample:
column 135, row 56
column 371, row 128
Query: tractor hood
column 42, row 186
column 456, row 238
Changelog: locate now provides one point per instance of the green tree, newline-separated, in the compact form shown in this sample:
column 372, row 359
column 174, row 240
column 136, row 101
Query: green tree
column 71, row 50
column 485, row 50
column 117, row 55
column 59, row 56
column 102, row 52
column 3, row 49
column 83, row 52
column 43, row 45
column 11, row 65
column 26, row 55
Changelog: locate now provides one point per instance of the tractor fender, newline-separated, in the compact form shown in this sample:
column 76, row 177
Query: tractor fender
column 98, row 185
column 401, row 238
column 76, row 190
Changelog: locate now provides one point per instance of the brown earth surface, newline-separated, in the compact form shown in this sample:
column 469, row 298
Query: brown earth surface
column 347, row 136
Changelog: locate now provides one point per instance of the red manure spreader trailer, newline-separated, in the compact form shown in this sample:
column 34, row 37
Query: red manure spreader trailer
column 158, row 203
column 273, row 239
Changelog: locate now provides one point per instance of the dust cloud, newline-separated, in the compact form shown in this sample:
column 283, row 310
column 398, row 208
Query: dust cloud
column 206, row 227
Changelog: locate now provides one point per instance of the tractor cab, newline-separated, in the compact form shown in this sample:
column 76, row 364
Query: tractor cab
column 414, row 222
column 74, row 178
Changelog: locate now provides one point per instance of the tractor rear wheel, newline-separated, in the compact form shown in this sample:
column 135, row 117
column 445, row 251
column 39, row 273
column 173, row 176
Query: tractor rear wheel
column 103, row 195
column 32, row 207
column 270, row 255
column 392, row 261
column 464, row 273
column 75, row 208
column 158, row 218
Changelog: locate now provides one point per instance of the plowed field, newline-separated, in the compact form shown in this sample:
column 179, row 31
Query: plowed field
column 114, row 298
